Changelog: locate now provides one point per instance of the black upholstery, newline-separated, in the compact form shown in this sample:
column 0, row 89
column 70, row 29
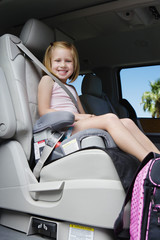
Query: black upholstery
column 93, row 99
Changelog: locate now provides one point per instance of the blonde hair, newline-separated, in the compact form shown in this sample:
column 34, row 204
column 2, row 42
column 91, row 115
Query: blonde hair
column 62, row 44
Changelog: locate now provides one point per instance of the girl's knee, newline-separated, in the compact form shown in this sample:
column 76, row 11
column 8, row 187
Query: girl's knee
column 127, row 122
column 110, row 117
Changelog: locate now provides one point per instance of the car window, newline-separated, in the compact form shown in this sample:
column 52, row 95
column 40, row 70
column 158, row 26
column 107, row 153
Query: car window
column 140, row 86
column 77, row 84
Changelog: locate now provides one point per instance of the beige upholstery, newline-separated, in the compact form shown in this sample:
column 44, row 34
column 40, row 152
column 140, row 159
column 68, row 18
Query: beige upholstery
column 19, row 74
column 23, row 78
column 36, row 36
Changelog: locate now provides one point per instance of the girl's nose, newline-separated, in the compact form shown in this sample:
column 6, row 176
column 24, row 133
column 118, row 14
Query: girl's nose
column 63, row 64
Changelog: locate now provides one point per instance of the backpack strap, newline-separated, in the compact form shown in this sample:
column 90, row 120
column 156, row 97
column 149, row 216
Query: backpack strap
column 119, row 230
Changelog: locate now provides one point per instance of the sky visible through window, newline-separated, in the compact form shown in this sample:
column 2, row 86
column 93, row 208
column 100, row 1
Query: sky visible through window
column 135, row 81
column 77, row 84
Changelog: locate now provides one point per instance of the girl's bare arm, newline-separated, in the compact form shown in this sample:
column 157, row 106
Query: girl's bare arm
column 82, row 115
column 44, row 95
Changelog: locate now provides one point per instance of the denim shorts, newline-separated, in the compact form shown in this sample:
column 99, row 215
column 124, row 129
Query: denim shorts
column 68, row 133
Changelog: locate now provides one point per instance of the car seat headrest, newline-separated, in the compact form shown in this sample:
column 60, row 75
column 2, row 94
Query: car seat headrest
column 92, row 85
column 36, row 36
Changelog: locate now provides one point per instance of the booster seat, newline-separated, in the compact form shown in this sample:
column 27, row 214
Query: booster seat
column 81, row 188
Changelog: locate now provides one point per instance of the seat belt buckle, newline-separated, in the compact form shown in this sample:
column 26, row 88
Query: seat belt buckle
column 42, row 141
column 38, row 149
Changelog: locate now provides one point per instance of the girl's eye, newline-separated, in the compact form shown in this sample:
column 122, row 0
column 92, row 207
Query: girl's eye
column 59, row 60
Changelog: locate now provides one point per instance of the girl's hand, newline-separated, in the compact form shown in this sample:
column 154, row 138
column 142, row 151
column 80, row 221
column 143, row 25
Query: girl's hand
column 82, row 116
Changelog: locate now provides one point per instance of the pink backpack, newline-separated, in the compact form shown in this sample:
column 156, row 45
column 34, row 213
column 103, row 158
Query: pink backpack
column 144, row 194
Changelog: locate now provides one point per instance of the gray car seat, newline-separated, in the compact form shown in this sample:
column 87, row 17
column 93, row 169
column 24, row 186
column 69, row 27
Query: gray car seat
column 81, row 188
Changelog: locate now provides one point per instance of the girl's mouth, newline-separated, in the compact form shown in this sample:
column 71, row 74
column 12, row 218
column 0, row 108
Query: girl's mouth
column 62, row 72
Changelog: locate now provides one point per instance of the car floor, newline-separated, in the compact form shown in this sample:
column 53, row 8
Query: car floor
column 10, row 234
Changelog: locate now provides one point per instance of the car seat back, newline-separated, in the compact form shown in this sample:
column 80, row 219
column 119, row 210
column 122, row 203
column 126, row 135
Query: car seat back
column 93, row 99
column 22, row 78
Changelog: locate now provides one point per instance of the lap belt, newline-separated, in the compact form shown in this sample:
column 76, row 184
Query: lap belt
column 49, row 146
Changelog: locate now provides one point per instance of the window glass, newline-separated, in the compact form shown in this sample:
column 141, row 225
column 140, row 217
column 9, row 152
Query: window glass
column 135, row 82
column 77, row 84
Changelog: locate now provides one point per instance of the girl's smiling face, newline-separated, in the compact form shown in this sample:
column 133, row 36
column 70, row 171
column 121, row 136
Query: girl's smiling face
column 62, row 64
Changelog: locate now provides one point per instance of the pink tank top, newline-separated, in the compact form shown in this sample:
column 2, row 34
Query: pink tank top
column 60, row 99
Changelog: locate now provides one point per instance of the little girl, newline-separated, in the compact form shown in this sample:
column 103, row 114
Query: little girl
column 61, row 59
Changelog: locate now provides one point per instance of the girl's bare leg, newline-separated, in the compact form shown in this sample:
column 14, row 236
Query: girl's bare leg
column 121, row 135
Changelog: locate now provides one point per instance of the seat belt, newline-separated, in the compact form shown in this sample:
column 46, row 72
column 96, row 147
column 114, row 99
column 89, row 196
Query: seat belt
column 50, row 144
column 105, row 97
column 20, row 45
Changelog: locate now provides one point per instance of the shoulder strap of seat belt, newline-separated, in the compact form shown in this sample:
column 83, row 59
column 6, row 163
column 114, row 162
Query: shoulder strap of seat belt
column 106, row 98
column 20, row 45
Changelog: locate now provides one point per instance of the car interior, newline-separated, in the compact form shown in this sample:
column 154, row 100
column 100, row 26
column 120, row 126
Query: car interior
column 78, row 192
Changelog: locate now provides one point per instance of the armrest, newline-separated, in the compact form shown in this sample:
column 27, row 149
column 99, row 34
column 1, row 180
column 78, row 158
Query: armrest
column 54, row 120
